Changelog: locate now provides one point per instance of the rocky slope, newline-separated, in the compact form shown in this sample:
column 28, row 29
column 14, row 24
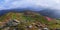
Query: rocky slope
column 26, row 20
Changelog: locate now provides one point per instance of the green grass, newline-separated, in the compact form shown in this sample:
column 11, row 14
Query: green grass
column 30, row 20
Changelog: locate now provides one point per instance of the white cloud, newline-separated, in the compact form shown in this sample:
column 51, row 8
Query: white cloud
column 8, row 4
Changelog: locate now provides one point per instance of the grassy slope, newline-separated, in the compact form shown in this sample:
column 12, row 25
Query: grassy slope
column 52, row 24
column 22, row 17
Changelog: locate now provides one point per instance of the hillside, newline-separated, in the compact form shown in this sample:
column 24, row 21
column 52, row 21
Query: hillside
column 25, row 20
column 14, row 15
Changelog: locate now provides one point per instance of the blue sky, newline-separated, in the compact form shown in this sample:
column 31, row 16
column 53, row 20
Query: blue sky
column 34, row 4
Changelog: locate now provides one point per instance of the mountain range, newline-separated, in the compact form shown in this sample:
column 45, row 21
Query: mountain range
column 45, row 12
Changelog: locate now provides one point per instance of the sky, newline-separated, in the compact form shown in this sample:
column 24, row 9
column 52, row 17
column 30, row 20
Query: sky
column 33, row 4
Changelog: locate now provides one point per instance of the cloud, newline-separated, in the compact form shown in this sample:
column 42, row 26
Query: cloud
column 35, row 4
